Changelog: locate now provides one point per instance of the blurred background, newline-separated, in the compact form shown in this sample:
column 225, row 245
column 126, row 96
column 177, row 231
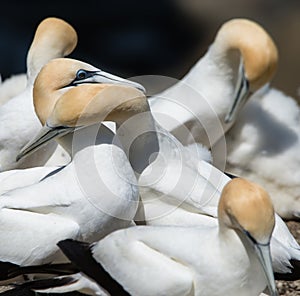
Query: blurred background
column 163, row 37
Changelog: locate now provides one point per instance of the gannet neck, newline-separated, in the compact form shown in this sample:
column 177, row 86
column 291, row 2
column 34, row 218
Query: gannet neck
column 136, row 130
column 258, row 51
column 128, row 109
column 54, row 38
column 87, row 105
column 245, row 206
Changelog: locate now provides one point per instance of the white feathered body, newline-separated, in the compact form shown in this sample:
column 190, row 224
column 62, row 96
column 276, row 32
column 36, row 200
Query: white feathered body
column 11, row 87
column 179, row 188
column 19, row 125
column 70, row 204
column 263, row 146
column 180, row 261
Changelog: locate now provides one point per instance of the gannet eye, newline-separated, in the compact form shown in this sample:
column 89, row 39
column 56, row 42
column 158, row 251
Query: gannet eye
column 81, row 74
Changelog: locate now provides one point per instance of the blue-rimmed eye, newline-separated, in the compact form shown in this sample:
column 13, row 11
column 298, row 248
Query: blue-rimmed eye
column 81, row 74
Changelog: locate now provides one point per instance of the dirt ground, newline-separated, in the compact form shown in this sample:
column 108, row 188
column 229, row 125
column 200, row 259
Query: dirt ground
column 291, row 288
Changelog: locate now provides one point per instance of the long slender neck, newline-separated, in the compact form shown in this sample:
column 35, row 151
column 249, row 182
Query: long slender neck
column 40, row 55
column 205, row 94
column 136, row 134
column 139, row 140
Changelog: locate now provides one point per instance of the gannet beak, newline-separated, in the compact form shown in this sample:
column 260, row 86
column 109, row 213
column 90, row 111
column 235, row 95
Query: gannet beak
column 104, row 77
column 264, row 256
column 43, row 137
column 242, row 93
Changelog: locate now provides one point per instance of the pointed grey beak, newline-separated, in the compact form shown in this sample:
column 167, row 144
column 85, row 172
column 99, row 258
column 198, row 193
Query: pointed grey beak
column 104, row 77
column 264, row 256
column 43, row 137
column 241, row 95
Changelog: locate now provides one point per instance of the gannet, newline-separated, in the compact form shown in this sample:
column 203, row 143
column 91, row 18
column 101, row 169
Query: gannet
column 242, row 58
column 231, row 258
column 19, row 123
column 263, row 146
column 178, row 187
column 90, row 197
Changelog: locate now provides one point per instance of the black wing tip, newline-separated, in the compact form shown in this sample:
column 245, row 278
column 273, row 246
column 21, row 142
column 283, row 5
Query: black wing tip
column 71, row 242
column 18, row 291
column 8, row 270
column 73, row 248
column 48, row 283
column 28, row 288
column 294, row 275
column 80, row 254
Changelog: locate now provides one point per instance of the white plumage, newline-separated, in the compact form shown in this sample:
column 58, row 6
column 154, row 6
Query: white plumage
column 11, row 87
column 264, row 144
column 68, row 205
column 181, row 189
column 174, row 260
column 178, row 187
column 19, row 123
column 204, row 103
column 183, row 248
column 92, row 196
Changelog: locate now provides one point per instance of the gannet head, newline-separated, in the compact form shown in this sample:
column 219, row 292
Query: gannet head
column 70, row 94
column 247, row 208
column 246, row 205
column 54, row 38
column 64, row 75
column 90, row 104
column 259, row 57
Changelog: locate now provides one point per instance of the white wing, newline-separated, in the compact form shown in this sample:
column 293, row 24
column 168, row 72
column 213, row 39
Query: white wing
column 11, row 87
column 128, row 258
column 13, row 179
column 182, row 182
column 28, row 238
column 270, row 156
